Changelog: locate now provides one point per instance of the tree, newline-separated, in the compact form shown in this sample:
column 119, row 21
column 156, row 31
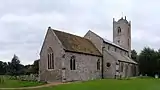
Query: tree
column 32, row 69
column 28, row 69
column 148, row 61
column 2, row 68
column 14, row 67
column 36, row 67
column 134, row 55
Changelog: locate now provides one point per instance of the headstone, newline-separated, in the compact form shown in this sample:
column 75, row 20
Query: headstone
column 145, row 74
column 140, row 75
column 156, row 76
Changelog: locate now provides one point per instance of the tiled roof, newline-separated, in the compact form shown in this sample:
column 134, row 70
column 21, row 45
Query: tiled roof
column 120, row 57
column 107, row 41
column 76, row 43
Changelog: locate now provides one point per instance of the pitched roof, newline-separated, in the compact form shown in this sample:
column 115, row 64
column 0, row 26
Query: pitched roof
column 121, row 57
column 109, row 42
column 112, row 43
column 76, row 43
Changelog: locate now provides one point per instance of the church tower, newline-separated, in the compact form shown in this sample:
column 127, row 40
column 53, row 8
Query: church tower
column 122, row 33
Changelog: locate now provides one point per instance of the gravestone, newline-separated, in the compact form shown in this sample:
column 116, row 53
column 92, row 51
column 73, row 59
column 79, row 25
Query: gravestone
column 156, row 76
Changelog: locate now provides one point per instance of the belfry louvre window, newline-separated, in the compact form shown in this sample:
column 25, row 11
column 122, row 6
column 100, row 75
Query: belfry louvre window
column 72, row 63
column 50, row 58
column 119, row 30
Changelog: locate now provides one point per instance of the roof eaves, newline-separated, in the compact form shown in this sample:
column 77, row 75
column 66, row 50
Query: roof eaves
column 83, row 53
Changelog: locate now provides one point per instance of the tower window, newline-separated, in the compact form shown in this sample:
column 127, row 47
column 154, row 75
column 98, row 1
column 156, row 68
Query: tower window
column 119, row 30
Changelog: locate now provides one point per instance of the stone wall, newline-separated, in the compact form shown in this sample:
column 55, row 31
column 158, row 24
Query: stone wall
column 129, row 70
column 51, row 75
column 86, row 67
column 109, row 71
column 95, row 39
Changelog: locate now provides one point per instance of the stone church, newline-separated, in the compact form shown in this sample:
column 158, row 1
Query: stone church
column 66, row 57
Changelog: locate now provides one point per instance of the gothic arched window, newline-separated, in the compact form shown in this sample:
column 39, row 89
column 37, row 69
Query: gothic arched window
column 119, row 30
column 98, row 64
column 50, row 59
column 72, row 63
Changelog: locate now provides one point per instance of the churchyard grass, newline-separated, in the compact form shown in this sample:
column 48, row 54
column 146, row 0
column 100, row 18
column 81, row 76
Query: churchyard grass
column 6, row 82
column 110, row 84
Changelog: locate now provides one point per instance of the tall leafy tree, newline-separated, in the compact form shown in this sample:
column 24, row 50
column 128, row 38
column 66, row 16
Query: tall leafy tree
column 134, row 55
column 15, row 68
column 36, row 67
column 148, row 61
column 2, row 68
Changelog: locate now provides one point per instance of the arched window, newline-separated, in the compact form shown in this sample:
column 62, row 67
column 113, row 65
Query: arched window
column 50, row 59
column 72, row 63
column 98, row 64
column 119, row 30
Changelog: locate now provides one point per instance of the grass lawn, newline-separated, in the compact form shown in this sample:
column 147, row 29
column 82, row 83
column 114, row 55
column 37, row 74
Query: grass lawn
column 16, row 83
column 110, row 84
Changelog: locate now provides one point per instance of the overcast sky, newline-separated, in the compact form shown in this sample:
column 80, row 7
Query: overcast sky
column 23, row 23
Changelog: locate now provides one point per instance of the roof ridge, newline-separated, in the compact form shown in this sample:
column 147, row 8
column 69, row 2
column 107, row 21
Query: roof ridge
column 67, row 33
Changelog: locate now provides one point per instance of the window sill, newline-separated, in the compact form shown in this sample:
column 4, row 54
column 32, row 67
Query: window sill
column 50, row 69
